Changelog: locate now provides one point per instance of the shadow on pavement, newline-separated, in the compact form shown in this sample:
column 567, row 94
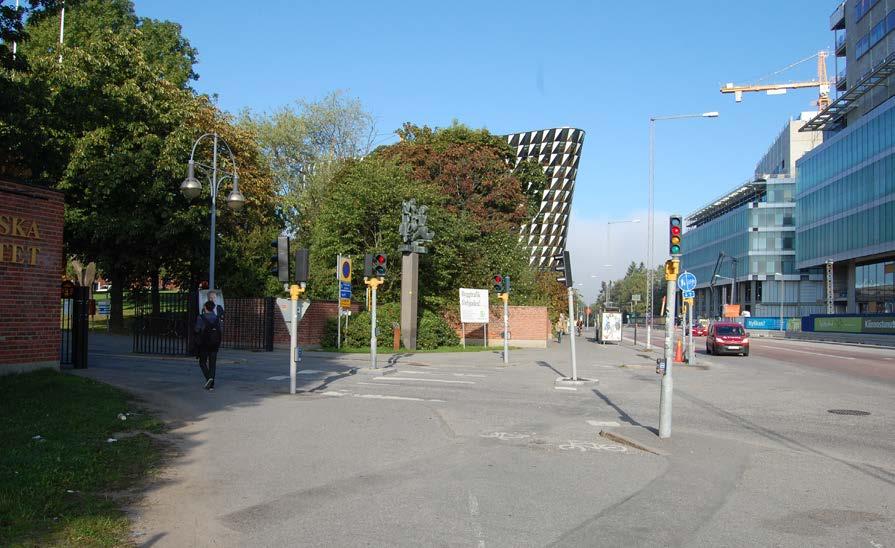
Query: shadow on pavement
column 549, row 366
column 622, row 414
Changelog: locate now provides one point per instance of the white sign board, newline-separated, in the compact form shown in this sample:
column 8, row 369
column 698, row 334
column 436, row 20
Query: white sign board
column 473, row 305
column 610, row 327
column 217, row 297
column 285, row 306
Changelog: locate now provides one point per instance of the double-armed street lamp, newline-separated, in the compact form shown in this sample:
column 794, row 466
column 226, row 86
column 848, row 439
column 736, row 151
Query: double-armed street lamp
column 191, row 188
column 650, row 243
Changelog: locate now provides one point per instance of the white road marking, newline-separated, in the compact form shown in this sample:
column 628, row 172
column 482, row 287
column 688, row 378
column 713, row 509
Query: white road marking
column 565, row 388
column 384, row 397
column 336, row 393
column 311, row 372
column 603, row 423
column 814, row 353
column 469, row 375
column 391, row 378
column 278, row 378
column 476, row 526
column 405, row 372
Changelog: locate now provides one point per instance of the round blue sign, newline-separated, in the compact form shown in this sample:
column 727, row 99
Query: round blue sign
column 686, row 281
column 346, row 269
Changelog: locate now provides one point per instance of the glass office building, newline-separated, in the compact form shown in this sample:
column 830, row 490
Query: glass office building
column 845, row 203
column 845, row 196
column 745, row 240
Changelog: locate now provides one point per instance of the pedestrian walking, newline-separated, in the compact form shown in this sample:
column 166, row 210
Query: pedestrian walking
column 208, row 337
column 560, row 327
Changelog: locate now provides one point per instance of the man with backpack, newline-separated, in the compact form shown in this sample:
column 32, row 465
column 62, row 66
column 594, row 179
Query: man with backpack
column 208, row 337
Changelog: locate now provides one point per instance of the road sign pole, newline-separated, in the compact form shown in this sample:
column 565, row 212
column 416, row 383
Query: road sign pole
column 339, row 323
column 572, row 336
column 691, row 350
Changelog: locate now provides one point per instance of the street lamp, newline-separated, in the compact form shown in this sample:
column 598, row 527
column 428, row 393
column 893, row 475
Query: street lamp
column 191, row 188
column 651, row 274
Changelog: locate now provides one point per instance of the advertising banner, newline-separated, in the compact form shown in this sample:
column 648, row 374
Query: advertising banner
column 883, row 325
column 835, row 324
column 473, row 305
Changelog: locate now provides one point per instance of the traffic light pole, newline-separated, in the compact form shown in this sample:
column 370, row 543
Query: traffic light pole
column 295, row 291
column 374, row 283
column 572, row 336
column 671, row 270
column 506, row 327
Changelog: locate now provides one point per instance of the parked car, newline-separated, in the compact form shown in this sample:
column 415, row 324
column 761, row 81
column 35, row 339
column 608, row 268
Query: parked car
column 727, row 337
column 699, row 330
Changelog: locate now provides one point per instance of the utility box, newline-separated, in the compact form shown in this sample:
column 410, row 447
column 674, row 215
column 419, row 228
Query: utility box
column 609, row 327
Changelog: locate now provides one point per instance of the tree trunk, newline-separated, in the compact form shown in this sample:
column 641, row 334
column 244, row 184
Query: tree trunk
column 116, row 318
column 155, row 294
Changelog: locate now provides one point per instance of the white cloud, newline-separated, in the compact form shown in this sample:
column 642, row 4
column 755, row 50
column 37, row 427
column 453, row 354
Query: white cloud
column 587, row 246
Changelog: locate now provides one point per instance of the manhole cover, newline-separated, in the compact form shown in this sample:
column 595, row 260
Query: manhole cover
column 848, row 412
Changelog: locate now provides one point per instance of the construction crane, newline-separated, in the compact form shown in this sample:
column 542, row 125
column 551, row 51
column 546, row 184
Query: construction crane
column 822, row 83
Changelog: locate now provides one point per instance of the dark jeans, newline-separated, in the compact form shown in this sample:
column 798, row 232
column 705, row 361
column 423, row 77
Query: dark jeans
column 208, row 360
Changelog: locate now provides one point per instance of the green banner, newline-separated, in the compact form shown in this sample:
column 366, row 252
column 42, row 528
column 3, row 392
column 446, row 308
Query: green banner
column 838, row 325
column 879, row 325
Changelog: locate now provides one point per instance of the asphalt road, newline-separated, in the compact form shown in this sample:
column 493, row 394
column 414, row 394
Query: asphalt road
column 455, row 450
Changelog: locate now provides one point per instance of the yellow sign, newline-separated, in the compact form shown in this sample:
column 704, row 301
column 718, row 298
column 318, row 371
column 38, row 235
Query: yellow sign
column 344, row 269
column 345, row 303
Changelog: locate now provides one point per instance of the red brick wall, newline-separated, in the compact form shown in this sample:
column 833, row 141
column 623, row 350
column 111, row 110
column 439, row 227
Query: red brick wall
column 30, row 274
column 529, row 326
column 312, row 326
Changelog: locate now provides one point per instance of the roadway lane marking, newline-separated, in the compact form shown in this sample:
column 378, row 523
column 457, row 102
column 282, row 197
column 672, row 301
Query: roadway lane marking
column 813, row 353
column 405, row 372
column 603, row 423
column 391, row 378
column 565, row 388
column 279, row 378
column 310, row 372
column 338, row 394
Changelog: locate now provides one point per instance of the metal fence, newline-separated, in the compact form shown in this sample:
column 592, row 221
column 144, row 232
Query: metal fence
column 167, row 326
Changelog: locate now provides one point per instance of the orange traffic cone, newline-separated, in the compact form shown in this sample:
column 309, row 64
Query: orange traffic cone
column 679, row 352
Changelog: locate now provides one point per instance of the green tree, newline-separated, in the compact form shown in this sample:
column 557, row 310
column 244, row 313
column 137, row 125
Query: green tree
column 305, row 144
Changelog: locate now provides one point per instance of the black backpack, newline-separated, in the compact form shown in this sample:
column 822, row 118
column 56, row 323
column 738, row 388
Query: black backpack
column 210, row 337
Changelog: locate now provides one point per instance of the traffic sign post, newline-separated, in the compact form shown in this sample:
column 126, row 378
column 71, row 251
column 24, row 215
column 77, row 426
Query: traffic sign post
column 343, row 274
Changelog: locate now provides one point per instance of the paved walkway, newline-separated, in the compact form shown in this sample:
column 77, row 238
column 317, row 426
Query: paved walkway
column 455, row 449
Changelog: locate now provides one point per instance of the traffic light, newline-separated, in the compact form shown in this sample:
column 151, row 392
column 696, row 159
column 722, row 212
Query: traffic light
column 498, row 280
column 563, row 264
column 301, row 265
column 675, row 232
column 279, row 263
column 374, row 265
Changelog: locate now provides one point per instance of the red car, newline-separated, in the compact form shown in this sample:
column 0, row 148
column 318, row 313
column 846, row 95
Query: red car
column 727, row 337
column 700, row 330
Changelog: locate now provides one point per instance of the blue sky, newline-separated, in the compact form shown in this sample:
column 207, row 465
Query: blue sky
column 603, row 66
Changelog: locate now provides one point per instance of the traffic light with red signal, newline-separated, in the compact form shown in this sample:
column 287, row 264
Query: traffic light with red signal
column 675, row 234
column 501, row 283
column 375, row 265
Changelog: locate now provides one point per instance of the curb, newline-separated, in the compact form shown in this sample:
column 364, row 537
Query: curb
column 624, row 440
column 379, row 372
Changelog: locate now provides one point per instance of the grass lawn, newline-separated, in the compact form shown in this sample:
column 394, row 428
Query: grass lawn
column 65, row 488
column 382, row 350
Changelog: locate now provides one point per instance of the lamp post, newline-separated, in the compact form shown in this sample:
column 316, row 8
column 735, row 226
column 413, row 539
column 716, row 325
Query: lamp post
column 732, row 286
column 651, row 274
column 191, row 188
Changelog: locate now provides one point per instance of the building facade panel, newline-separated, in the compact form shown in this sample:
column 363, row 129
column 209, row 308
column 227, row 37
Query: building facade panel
column 558, row 151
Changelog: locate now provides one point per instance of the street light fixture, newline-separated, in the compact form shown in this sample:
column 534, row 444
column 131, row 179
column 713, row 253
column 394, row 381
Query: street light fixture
column 191, row 187
column 651, row 274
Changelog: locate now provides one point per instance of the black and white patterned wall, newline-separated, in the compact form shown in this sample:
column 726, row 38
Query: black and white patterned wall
column 558, row 151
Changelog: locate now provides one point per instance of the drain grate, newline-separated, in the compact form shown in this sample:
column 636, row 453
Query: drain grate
column 848, row 412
